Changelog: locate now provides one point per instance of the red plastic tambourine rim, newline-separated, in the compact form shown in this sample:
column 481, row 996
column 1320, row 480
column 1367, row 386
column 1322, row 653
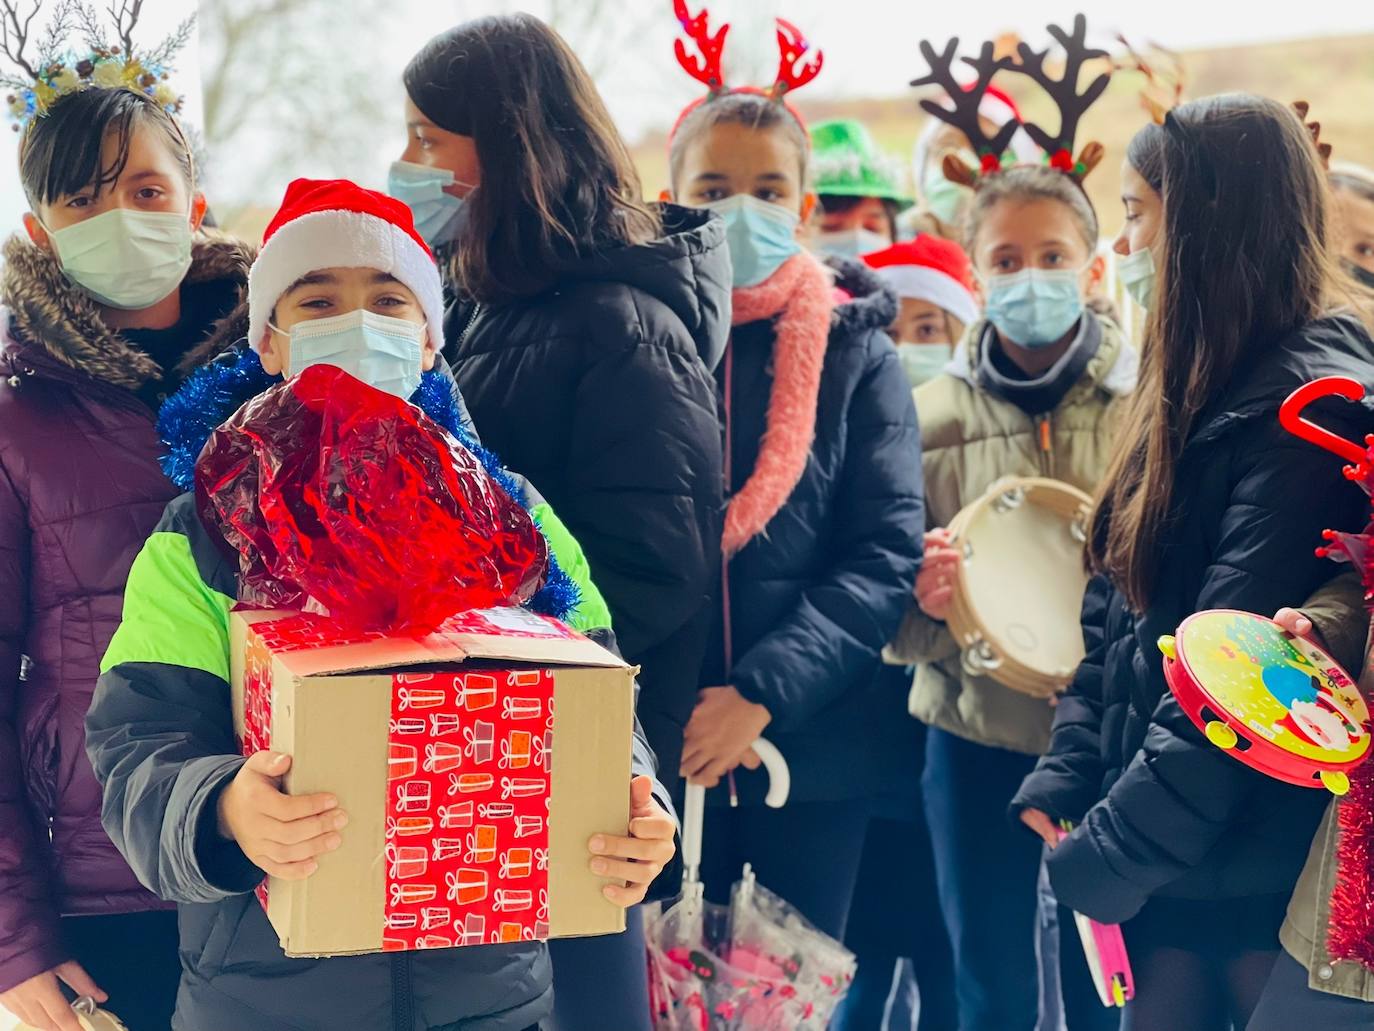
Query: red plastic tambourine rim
column 1262, row 755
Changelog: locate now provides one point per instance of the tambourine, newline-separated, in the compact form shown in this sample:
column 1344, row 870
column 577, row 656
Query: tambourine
column 1272, row 700
column 1018, row 591
column 89, row 1016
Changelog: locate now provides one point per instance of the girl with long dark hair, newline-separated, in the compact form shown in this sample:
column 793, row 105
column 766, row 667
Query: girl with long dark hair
column 583, row 333
column 1207, row 504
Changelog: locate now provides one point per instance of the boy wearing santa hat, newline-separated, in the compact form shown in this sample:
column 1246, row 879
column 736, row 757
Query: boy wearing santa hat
column 342, row 279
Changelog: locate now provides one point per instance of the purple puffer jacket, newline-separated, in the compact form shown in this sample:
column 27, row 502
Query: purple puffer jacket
column 80, row 490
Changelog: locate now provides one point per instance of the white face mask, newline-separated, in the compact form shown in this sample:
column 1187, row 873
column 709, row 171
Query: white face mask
column 126, row 259
column 379, row 350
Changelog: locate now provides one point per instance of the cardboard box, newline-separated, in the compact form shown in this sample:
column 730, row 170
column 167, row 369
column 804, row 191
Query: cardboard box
column 461, row 830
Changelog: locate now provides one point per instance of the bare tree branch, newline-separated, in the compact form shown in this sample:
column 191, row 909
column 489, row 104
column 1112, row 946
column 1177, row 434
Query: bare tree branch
column 14, row 34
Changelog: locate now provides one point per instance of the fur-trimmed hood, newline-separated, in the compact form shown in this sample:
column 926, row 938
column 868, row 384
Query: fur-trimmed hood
column 871, row 303
column 52, row 317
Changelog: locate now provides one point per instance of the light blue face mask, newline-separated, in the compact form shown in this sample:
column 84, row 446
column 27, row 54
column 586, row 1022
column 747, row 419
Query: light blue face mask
column 126, row 259
column 1137, row 272
column 760, row 236
column 379, row 350
column 1034, row 307
column 849, row 243
column 438, row 215
column 946, row 200
column 923, row 362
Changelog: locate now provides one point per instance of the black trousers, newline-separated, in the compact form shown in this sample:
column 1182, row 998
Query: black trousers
column 133, row 958
column 1288, row 1004
column 808, row 853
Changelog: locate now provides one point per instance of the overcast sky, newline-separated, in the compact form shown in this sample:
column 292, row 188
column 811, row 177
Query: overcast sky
column 870, row 45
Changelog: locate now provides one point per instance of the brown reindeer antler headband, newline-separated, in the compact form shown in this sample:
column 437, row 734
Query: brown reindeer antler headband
column 1314, row 129
column 1166, row 77
column 965, row 101
column 1063, row 90
column 797, row 65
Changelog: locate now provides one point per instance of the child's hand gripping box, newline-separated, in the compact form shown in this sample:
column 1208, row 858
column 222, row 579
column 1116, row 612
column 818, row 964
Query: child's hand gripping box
column 462, row 829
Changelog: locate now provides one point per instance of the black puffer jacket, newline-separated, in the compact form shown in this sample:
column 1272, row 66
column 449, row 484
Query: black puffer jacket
column 814, row 598
column 599, row 390
column 1162, row 811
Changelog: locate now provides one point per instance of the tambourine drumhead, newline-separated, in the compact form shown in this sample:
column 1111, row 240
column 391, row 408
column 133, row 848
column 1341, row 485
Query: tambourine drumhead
column 1297, row 710
column 1019, row 590
column 90, row 1017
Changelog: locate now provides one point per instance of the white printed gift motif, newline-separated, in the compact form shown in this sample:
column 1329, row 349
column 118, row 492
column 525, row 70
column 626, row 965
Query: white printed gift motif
column 450, row 832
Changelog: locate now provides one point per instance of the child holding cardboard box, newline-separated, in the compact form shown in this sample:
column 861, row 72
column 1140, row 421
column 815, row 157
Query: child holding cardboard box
column 201, row 825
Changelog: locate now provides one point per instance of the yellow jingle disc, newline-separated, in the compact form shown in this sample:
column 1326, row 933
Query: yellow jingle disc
column 1221, row 735
column 1336, row 782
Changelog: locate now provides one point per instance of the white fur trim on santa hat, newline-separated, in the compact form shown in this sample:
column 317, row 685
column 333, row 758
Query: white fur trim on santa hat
column 341, row 239
column 921, row 283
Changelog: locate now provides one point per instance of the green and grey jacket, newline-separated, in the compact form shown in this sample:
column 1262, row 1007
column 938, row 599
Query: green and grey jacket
column 1338, row 613
column 161, row 739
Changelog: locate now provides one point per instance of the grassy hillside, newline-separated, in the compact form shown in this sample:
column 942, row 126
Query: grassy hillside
column 1335, row 75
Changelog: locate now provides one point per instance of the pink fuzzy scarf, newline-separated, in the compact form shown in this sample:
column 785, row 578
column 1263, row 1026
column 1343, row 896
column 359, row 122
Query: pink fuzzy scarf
column 799, row 293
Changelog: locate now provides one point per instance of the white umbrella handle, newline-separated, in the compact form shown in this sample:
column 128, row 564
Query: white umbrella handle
column 694, row 804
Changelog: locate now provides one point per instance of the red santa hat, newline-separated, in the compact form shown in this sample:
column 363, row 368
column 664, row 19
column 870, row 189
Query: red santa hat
column 333, row 223
column 998, row 107
column 930, row 269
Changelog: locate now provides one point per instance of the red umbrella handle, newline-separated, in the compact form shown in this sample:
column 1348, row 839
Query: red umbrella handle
column 1291, row 418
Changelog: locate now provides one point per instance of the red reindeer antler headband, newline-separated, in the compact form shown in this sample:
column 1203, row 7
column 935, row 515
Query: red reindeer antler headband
column 797, row 64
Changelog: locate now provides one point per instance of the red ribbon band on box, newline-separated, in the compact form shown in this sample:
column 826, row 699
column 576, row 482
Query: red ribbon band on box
column 467, row 809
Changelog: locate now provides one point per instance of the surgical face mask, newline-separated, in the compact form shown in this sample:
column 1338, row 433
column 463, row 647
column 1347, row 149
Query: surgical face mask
column 760, row 236
column 923, row 362
column 438, row 215
column 1137, row 272
column 126, row 259
column 944, row 199
column 1034, row 307
column 850, row 243
column 379, row 350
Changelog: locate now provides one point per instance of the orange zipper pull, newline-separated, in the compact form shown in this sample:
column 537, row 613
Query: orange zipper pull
column 1045, row 435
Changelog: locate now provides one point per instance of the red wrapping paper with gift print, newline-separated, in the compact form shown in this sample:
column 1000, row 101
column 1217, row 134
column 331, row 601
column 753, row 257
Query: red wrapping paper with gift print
column 344, row 500
column 467, row 818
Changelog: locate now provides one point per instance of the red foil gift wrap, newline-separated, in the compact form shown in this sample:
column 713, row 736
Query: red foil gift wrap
column 347, row 501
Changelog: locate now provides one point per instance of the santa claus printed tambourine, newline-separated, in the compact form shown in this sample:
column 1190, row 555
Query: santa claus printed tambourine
column 1272, row 700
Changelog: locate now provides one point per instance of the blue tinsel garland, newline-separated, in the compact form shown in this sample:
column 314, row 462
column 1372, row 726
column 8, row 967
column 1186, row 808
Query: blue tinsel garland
column 214, row 392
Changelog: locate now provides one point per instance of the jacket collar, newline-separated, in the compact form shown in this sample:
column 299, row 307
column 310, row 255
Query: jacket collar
column 1113, row 370
column 51, row 318
column 217, row 390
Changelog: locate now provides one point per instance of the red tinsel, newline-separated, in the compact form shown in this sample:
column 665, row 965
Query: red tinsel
column 347, row 501
column 1350, row 931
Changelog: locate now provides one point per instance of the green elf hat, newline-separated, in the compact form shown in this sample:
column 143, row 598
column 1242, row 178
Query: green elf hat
column 848, row 163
